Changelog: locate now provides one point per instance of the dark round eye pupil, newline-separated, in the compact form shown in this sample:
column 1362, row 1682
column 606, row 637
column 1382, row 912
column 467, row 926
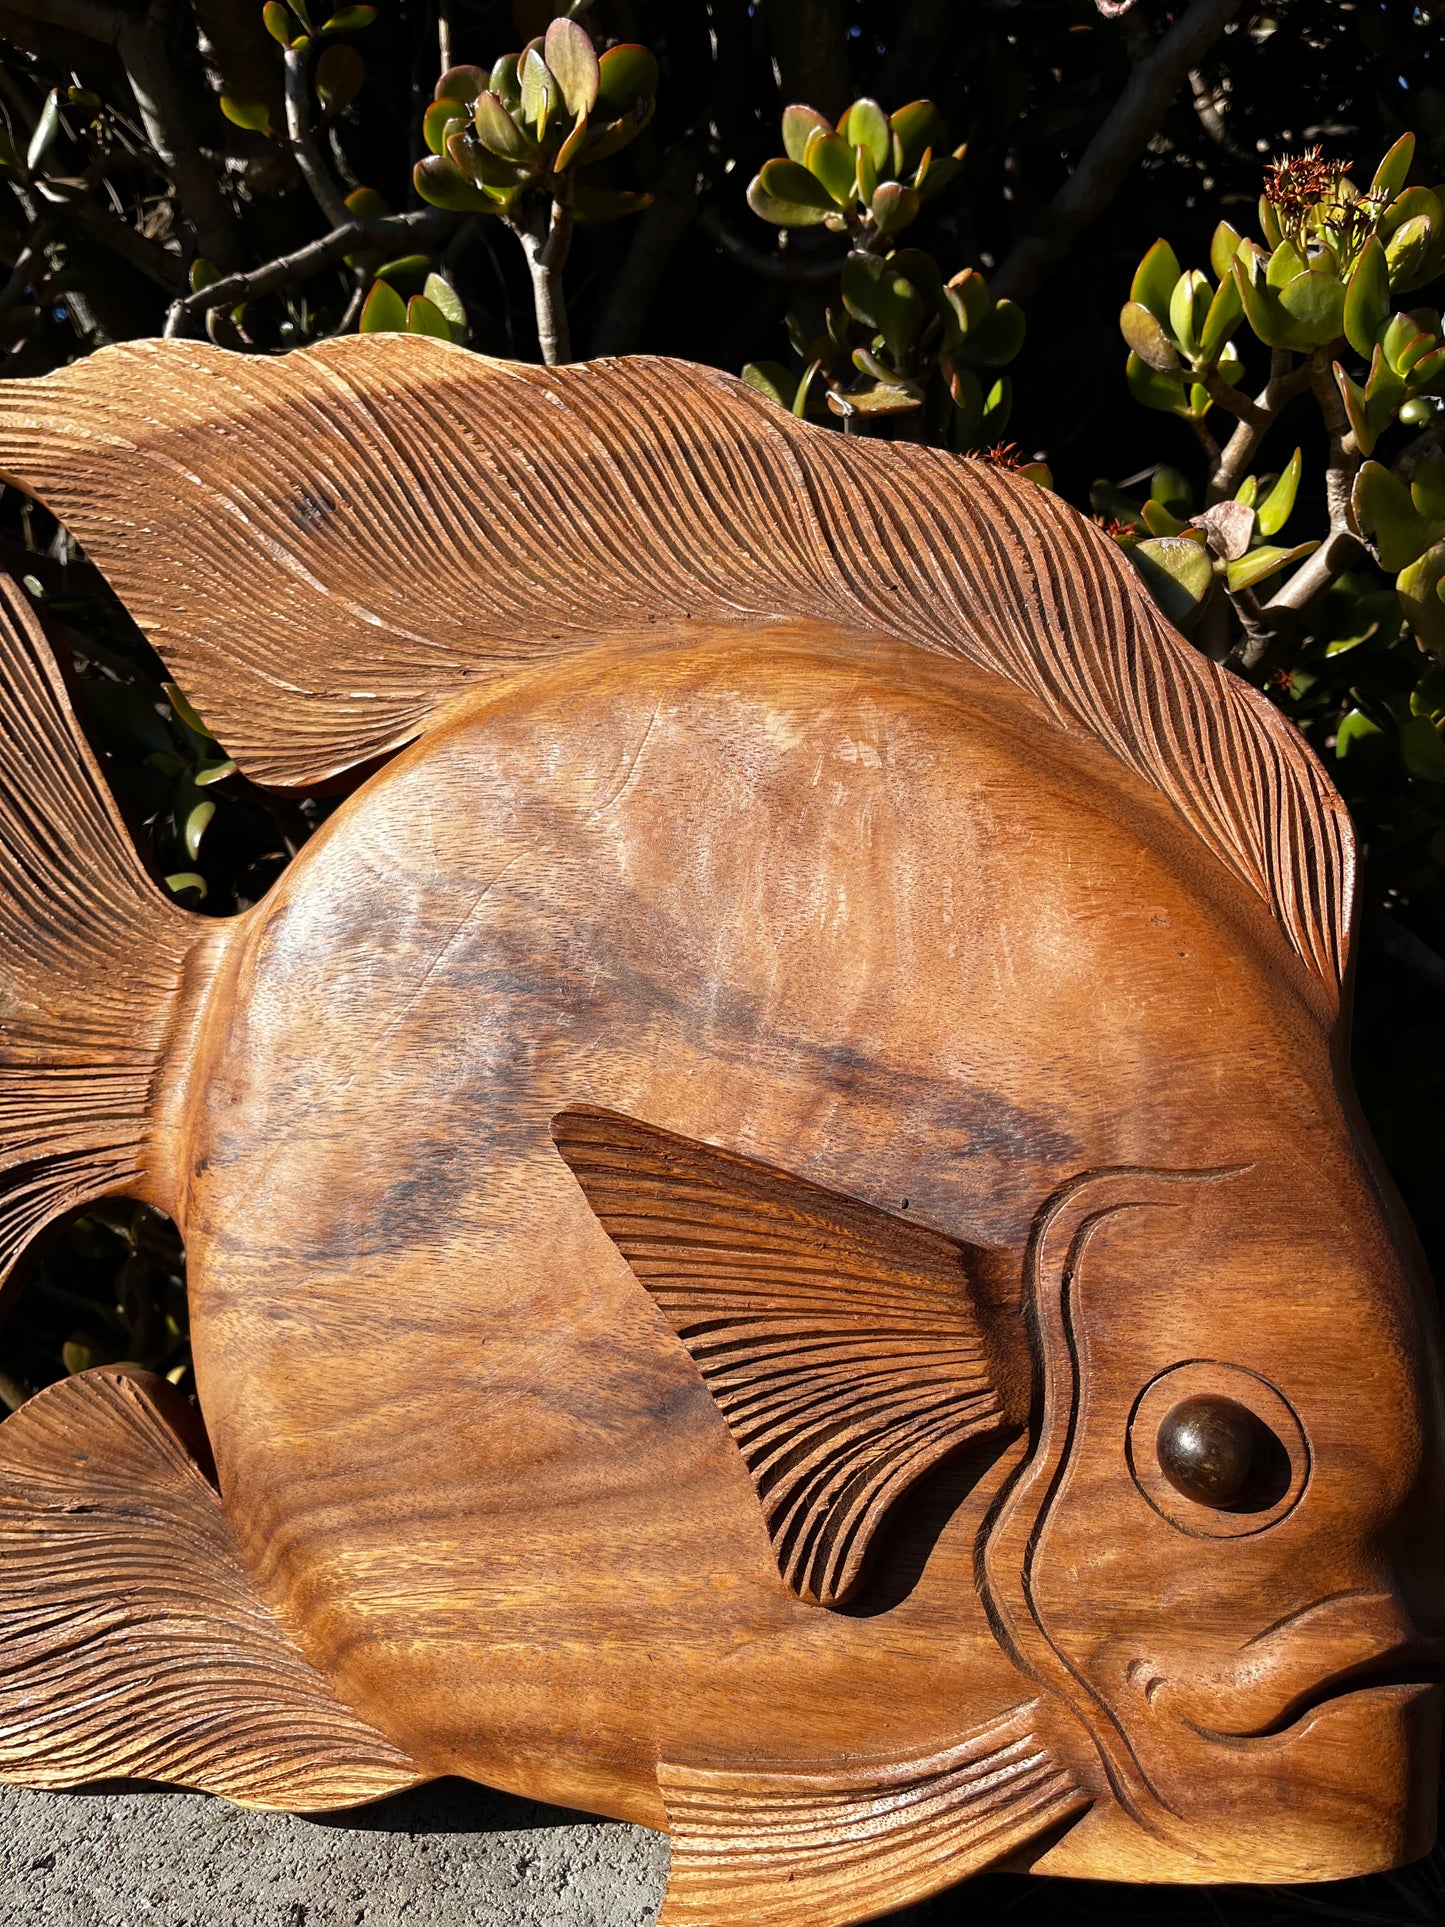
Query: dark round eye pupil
column 1212, row 1449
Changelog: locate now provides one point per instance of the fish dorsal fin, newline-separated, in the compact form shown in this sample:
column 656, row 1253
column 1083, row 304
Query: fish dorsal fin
column 843, row 1345
column 135, row 1643
column 330, row 547
column 774, row 1849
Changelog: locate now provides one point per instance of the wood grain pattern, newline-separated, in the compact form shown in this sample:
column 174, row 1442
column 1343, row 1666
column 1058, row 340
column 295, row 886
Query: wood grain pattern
column 327, row 548
column 840, row 1344
column 135, row 1645
column 824, row 1849
column 831, row 1030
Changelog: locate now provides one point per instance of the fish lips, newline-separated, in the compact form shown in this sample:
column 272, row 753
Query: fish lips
column 1346, row 1644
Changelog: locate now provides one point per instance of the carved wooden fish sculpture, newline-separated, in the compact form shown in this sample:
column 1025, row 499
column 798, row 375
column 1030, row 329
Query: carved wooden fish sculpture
column 779, row 1243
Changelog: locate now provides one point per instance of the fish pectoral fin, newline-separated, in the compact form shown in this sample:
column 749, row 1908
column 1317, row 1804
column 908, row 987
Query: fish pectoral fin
column 846, row 1348
column 133, row 1643
column 824, row 1849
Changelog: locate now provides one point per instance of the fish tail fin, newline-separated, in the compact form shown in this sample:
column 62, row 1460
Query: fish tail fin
column 133, row 1642
column 91, row 955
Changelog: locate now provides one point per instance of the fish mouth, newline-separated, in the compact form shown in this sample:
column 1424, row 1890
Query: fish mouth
column 1407, row 1666
column 1351, row 1642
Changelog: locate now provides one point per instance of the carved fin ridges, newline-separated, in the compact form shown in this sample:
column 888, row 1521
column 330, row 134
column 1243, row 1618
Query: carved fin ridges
column 840, row 1344
column 825, row 1849
column 91, row 955
column 132, row 1643
column 331, row 490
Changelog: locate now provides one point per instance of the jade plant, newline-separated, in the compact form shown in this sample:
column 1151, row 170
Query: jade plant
column 904, row 350
column 1349, row 634
column 513, row 142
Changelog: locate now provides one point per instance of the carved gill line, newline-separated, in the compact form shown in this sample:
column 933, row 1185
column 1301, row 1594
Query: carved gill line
column 1005, row 1566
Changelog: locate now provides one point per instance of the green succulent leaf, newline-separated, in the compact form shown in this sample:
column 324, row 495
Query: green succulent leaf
column 1427, row 487
column 894, row 207
column 1277, row 507
column 1367, row 298
column 568, row 152
column 866, row 125
column 1261, row 307
column 253, row 115
column 595, row 205
column 540, row 92
column 1314, row 304
column 1146, row 338
column 277, row 22
column 942, row 169
column 497, row 130
column 1188, row 305
column 1154, row 389
column 441, row 183
column 1224, row 315
column 365, row 204
column 627, row 82
column 900, row 310
column 1155, row 279
column 1422, row 750
column 798, row 197
column 1170, row 486
column 999, row 336
column 1394, row 169
column 915, row 127
column 439, row 120
column 197, row 821
column 1159, row 521
column 1261, row 563
column 830, row 160
column 571, row 57
column 384, row 312
column 1384, row 510
column 968, row 295
column 1223, row 247
column 799, row 124
column 772, row 379
column 448, row 303
column 504, row 81
column 423, row 317
column 463, row 84
column 1178, row 573
column 1411, row 250
column 349, row 20
column 340, row 75
column 1421, row 590
column 405, row 268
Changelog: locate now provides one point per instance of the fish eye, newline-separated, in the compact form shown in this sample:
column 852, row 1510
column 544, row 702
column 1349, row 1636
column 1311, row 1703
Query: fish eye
column 1215, row 1451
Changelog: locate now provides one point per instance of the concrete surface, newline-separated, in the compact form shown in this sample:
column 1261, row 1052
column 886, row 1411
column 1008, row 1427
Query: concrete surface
column 449, row 1855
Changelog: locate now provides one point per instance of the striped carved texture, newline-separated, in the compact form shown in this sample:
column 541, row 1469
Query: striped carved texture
column 90, row 954
column 838, row 1341
column 135, row 1645
column 327, row 546
column 822, row 1850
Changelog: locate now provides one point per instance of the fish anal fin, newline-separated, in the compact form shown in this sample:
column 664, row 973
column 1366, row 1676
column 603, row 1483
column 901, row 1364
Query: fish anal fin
column 848, row 1350
column 133, row 1644
column 827, row 1849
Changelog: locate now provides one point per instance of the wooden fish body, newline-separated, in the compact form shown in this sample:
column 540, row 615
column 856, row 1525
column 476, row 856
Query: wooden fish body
column 725, row 1185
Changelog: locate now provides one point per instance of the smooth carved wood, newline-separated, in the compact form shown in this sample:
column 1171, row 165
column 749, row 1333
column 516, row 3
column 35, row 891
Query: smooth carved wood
column 705, row 1181
column 839, row 1343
